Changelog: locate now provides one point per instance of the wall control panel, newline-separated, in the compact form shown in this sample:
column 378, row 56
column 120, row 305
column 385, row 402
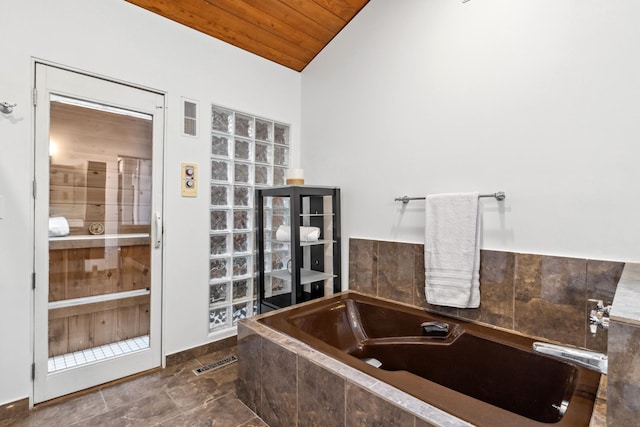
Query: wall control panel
column 189, row 178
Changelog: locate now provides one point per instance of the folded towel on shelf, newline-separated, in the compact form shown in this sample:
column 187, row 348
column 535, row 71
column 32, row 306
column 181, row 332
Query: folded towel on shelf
column 307, row 234
column 58, row 226
column 452, row 250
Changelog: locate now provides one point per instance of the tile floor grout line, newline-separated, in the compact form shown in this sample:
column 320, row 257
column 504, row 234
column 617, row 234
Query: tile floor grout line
column 97, row 409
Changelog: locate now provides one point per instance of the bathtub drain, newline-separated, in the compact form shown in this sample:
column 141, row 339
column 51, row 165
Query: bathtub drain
column 373, row 362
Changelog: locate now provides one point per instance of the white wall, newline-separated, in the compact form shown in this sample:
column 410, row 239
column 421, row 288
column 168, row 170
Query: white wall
column 121, row 41
column 539, row 98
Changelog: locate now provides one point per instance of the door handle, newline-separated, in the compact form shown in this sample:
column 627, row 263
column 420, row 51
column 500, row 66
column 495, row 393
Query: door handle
column 157, row 230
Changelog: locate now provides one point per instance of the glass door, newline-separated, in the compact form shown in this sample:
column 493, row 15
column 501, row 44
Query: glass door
column 97, row 231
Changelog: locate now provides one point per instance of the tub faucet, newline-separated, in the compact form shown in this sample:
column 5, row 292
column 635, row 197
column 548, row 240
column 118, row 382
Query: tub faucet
column 593, row 360
column 599, row 316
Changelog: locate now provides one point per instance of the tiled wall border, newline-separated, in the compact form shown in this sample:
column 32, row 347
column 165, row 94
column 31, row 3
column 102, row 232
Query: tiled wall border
column 536, row 295
column 13, row 410
column 192, row 353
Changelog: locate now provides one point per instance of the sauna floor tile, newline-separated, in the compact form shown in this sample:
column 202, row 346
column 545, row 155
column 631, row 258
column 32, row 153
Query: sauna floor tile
column 174, row 396
column 106, row 351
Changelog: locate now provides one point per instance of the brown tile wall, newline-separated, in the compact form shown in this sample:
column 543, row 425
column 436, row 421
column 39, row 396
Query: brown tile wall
column 321, row 395
column 536, row 295
column 623, row 388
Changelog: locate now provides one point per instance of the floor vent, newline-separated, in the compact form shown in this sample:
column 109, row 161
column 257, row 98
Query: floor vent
column 215, row 365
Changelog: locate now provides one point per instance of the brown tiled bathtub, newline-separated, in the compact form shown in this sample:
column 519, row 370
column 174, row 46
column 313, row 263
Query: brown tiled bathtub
column 479, row 374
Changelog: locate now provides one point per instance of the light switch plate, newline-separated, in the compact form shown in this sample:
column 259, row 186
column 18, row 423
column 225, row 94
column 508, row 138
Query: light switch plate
column 189, row 176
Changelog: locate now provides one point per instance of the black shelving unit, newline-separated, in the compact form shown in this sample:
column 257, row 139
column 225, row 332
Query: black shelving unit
column 292, row 271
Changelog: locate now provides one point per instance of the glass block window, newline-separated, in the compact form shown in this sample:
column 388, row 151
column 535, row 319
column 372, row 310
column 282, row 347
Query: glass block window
column 246, row 152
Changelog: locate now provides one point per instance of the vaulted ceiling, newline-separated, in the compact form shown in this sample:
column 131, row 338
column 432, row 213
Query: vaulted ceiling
column 289, row 32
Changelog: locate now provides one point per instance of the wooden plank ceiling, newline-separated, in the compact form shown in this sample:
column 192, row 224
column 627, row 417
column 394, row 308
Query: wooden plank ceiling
column 289, row 32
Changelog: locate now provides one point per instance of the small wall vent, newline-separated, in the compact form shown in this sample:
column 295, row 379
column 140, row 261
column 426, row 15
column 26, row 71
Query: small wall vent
column 190, row 117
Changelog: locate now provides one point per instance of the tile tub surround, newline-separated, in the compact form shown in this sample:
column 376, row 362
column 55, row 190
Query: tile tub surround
column 287, row 383
column 306, row 387
column 623, row 406
column 536, row 295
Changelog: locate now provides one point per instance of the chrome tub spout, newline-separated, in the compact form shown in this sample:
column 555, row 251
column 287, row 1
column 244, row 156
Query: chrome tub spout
column 589, row 359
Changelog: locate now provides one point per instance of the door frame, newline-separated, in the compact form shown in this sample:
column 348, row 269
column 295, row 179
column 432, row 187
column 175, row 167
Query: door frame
column 162, row 206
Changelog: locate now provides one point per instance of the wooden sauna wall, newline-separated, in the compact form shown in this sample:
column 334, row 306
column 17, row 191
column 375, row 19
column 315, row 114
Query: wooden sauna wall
column 101, row 169
column 68, row 194
column 81, row 272
column 98, row 193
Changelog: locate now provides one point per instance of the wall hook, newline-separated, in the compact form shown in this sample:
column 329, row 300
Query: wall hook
column 7, row 108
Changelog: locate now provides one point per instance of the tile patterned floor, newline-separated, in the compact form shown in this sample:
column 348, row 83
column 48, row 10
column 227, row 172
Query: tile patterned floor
column 174, row 396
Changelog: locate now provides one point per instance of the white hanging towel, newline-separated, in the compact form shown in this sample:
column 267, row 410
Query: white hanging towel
column 452, row 250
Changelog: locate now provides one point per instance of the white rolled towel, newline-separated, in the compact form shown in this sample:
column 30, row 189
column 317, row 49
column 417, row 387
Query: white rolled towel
column 58, row 226
column 307, row 234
